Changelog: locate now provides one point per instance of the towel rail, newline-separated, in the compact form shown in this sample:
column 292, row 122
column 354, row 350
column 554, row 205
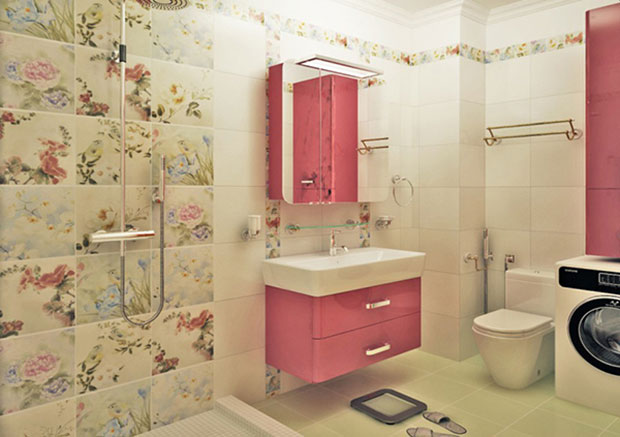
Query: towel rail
column 571, row 134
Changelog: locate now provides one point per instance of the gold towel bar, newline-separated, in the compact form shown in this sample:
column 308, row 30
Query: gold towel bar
column 570, row 134
column 368, row 149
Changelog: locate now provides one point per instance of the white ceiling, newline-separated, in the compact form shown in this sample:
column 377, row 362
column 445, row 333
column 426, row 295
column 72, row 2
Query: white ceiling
column 418, row 5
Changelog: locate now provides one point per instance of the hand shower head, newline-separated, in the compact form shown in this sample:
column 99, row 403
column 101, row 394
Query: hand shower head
column 168, row 5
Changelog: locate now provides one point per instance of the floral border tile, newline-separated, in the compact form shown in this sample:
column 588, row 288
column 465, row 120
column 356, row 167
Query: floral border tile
column 36, row 148
column 182, row 337
column 181, row 394
column 185, row 37
column 97, row 76
column 182, row 94
column 273, row 381
column 36, row 296
column 98, row 286
column 188, row 152
column 35, row 370
column 110, row 353
column 50, row 19
column 188, row 216
column 99, row 209
column 36, row 222
column 36, row 76
column 55, row 419
column 98, row 152
column 365, row 229
column 121, row 411
column 188, row 276
column 98, row 25
column 272, row 222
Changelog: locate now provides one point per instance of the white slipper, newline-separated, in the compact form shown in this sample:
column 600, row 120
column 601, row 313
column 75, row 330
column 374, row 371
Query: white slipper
column 445, row 422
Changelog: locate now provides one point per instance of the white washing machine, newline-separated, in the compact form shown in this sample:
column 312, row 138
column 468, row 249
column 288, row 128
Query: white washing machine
column 587, row 334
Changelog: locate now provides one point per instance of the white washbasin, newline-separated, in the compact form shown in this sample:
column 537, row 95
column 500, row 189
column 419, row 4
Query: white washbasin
column 318, row 274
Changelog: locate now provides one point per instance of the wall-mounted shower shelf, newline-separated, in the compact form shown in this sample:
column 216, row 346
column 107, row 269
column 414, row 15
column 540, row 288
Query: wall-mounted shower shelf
column 571, row 134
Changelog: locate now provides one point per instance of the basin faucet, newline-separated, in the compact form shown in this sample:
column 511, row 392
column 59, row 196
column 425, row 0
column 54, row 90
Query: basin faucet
column 333, row 249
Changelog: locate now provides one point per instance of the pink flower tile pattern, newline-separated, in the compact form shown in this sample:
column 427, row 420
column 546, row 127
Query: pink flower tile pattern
column 36, row 296
column 36, row 76
column 182, row 338
column 35, row 370
column 36, row 148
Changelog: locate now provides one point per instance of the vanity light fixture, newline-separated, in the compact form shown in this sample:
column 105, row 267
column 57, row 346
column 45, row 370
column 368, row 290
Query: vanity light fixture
column 337, row 66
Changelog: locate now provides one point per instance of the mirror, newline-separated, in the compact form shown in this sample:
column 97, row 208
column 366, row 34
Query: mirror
column 328, row 132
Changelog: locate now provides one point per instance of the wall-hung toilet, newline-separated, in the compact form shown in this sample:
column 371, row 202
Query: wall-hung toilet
column 517, row 343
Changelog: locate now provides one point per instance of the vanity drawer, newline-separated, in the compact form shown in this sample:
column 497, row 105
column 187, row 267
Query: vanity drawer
column 344, row 353
column 344, row 312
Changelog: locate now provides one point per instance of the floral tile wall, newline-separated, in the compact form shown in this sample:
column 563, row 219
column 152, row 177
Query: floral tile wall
column 36, row 75
column 44, row 212
column 188, row 152
column 182, row 337
column 98, row 152
column 188, row 278
column 188, row 216
column 98, row 286
column 110, row 353
column 185, row 37
column 36, row 295
column 97, row 25
column 56, row 419
column 181, row 394
column 122, row 411
column 36, row 148
column 50, row 19
column 99, row 209
column 36, row 369
column 182, row 94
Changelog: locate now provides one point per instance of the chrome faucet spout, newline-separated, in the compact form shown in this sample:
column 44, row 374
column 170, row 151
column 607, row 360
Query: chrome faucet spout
column 333, row 249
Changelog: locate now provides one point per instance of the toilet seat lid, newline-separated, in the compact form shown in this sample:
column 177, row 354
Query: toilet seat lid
column 511, row 322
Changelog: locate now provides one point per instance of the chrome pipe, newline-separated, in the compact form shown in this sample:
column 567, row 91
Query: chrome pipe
column 132, row 235
column 160, row 198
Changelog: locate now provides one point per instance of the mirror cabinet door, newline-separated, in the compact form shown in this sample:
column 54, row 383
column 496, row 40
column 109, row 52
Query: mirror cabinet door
column 316, row 119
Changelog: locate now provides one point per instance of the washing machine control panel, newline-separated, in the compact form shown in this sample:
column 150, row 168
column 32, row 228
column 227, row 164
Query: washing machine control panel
column 592, row 280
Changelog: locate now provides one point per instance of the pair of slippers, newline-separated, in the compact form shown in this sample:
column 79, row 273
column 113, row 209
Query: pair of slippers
column 438, row 419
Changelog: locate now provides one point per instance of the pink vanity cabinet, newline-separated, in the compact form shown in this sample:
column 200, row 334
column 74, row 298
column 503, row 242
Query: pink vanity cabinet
column 603, row 131
column 320, row 338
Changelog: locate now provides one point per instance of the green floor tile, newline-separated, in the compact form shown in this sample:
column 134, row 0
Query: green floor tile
column 542, row 423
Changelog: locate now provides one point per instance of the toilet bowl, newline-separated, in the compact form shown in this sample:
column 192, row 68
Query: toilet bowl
column 517, row 343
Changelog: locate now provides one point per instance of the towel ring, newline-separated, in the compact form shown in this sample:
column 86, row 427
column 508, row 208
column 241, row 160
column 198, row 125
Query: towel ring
column 397, row 179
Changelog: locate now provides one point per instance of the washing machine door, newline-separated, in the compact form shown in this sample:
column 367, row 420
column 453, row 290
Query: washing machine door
column 594, row 329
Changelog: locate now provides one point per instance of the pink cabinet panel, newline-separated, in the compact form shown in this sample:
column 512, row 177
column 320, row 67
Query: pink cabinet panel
column 603, row 222
column 603, row 97
column 340, row 354
column 603, row 131
column 318, row 338
column 344, row 312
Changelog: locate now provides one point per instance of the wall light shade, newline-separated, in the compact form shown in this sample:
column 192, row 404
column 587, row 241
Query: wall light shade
column 337, row 66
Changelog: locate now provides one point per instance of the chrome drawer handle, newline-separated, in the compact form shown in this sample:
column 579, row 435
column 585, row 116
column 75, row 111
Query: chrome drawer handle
column 307, row 181
column 386, row 347
column 381, row 303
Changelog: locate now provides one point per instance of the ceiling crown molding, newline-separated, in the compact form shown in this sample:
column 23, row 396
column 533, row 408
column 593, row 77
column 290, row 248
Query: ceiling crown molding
column 395, row 14
column 381, row 9
column 524, row 7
